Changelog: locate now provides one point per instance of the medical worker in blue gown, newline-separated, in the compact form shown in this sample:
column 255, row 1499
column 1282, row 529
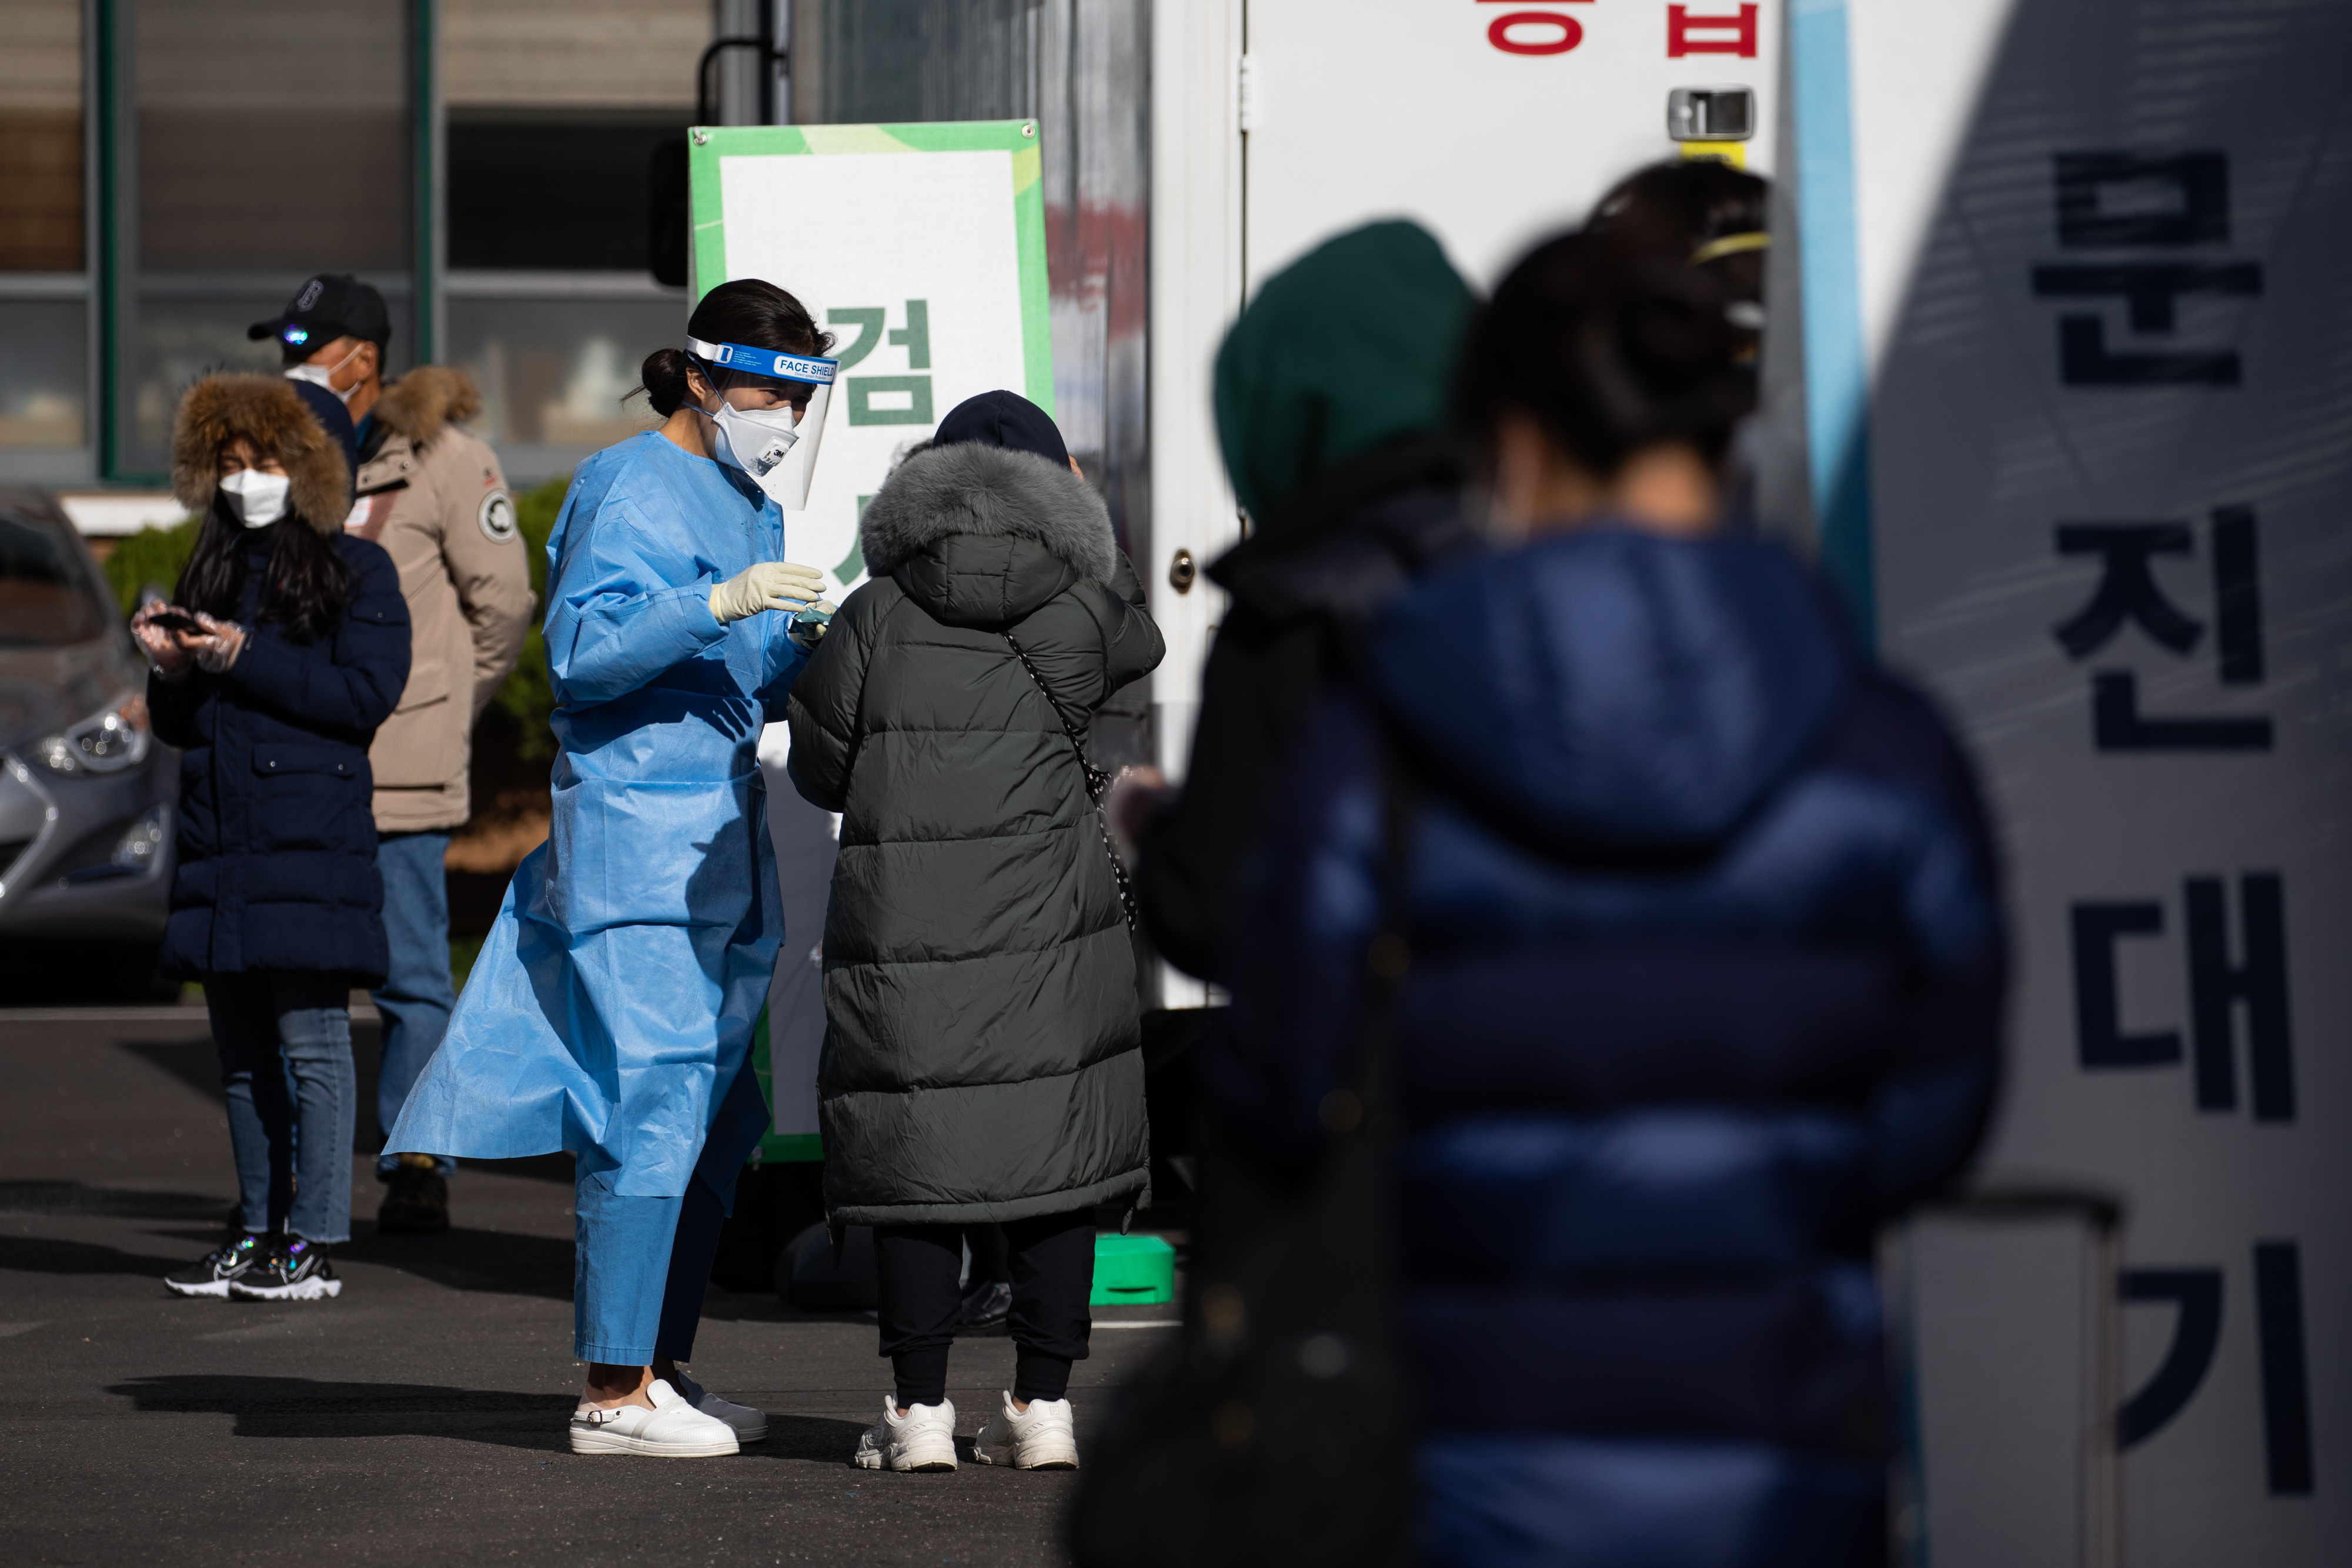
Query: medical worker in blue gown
column 610, row 1012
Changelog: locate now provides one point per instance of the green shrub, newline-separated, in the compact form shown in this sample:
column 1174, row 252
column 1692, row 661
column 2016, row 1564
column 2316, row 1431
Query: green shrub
column 527, row 698
column 463, row 951
column 150, row 555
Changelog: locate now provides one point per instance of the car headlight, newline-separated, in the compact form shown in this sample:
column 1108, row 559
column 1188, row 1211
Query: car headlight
column 106, row 742
column 141, row 848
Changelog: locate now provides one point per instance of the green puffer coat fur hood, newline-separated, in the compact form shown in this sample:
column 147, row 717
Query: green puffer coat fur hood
column 982, row 1055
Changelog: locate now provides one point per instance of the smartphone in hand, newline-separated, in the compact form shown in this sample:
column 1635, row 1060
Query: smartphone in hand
column 180, row 620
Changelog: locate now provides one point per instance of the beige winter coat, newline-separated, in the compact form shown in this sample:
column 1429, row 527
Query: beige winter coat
column 432, row 494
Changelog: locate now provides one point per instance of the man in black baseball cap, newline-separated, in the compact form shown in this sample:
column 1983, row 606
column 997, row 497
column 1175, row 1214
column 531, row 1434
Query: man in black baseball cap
column 328, row 306
column 432, row 494
column 331, row 336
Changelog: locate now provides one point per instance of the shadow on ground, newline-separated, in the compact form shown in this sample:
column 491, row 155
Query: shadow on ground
column 506, row 1263
column 494, row 1261
column 113, row 1203
column 497, row 1261
column 304, row 1407
column 47, row 1255
column 300, row 1407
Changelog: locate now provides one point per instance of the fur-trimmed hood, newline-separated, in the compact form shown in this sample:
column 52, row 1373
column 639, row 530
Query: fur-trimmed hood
column 265, row 411
column 991, row 492
column 427, row 400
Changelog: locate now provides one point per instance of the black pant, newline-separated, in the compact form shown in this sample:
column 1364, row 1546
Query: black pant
column 991, row 1263
column 916, row 1267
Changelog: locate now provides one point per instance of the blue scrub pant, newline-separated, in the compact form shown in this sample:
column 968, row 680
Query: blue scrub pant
column 416, row 998
column 640, row 1269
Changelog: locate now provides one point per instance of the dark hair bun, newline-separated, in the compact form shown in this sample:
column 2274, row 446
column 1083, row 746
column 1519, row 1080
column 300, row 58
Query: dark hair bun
column 663, row 379
column 1610, row 350
column 748, row 311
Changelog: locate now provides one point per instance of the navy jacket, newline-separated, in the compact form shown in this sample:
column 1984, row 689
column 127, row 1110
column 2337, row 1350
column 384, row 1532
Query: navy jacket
column 1708, row 961
column 277, row 866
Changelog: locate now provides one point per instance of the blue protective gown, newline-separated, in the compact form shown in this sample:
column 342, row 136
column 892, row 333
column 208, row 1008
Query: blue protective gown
column 610, row 1012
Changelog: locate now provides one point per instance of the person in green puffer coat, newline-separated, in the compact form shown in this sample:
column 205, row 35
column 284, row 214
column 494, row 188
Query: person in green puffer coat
column 982, row 1060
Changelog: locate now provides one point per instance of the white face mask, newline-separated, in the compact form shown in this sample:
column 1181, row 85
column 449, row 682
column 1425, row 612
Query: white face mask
column 259, row 500
column 776, row 450
column 753, row 440
column 324, row 376
column 759, row 443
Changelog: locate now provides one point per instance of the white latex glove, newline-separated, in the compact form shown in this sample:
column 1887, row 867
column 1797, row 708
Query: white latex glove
column 765, row 585
column 219, row 647
column 161, row 646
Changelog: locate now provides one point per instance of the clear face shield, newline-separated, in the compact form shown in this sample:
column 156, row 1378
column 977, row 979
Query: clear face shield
column 777, row 452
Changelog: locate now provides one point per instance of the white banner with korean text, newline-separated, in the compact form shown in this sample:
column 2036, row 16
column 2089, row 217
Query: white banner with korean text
column 2095, row 489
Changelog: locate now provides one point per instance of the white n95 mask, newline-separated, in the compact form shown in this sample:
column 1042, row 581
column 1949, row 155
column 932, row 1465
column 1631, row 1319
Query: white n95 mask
column 324, row 376
column 753, row 440
column 777, row 452
column 259, row 500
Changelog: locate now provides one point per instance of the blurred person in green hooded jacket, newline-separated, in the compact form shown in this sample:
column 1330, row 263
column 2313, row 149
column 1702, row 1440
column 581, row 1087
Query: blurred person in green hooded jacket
column 1331, row 395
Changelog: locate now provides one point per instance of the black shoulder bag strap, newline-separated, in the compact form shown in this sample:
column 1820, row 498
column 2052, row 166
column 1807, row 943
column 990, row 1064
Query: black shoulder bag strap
column 1279, row 1431
column 1097, row 781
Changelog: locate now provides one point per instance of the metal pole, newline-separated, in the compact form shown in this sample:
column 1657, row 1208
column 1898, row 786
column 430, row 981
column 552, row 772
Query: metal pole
column 767, row 36
column 115, row 228
column 428, row 179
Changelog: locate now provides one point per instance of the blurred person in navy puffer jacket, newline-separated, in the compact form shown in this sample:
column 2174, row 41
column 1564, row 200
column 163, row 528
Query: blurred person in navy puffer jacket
column 1706, row 976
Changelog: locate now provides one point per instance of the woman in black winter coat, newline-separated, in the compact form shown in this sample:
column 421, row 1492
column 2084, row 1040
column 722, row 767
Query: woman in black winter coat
column 286, row 646
column 982, row 1057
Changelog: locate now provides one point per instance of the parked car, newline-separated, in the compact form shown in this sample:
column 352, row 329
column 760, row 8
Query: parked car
column 86, row 793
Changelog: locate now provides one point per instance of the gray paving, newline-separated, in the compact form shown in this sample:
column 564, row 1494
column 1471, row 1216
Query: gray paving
column 420, row 1417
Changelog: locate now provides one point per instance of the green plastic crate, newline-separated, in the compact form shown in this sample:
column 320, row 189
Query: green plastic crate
column 1133, row 1272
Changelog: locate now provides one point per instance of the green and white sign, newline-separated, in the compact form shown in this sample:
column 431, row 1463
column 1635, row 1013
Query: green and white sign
column 922, row 249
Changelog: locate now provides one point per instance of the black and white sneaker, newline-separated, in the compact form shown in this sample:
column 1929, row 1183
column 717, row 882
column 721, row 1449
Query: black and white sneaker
column 295, row 1270
column 212, row 1274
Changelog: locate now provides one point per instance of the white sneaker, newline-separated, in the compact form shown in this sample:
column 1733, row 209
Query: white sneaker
column 1038, row 1439
column 672, row 1429
column 921, row 1440
column 749, row 1426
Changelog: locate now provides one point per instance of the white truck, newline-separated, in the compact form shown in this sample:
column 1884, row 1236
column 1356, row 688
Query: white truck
column 2057, row 389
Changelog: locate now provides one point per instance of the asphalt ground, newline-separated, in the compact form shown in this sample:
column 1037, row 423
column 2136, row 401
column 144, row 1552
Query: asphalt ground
column 419, row 1418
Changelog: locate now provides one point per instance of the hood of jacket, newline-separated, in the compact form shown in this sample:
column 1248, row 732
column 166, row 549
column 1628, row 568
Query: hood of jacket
column 981, row 536
column 1611, row 693
column 1349, row 348
column 265, row 411
column 426, row 401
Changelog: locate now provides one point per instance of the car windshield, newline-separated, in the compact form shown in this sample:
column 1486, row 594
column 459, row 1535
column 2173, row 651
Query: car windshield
column 46, row 600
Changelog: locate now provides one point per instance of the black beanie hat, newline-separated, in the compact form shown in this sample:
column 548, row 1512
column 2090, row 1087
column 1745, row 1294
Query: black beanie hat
column 1003, row 419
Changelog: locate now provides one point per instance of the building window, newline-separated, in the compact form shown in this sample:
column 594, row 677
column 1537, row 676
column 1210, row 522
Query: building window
column 268, row 140
column 44, row 221
column 554, row 110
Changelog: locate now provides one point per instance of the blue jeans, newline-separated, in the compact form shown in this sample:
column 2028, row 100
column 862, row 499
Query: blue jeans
column 285, row 1044
column 640, row 1269
column 417, row 999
